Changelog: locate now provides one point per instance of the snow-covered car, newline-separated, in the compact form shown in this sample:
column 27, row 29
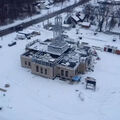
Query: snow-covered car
column 20, row 37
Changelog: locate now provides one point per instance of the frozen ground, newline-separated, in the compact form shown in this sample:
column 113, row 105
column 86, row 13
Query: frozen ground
column 32, row 97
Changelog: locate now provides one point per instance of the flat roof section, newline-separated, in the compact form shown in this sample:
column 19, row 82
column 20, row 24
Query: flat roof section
column 70, row 60
column 45, row 58
column 29, row 54
column 39, row 46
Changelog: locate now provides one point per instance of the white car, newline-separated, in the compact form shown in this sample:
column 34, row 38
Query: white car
column 20, row 37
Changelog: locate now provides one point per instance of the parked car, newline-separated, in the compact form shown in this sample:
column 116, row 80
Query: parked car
column 114, row 39
column 12, row 44
column 20, row 37
column 28, row 36
column 0, row 46
column 19, row 28
column 34, row 33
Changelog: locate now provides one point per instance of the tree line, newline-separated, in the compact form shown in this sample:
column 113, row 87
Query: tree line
column 106, row 17
column 13, row 9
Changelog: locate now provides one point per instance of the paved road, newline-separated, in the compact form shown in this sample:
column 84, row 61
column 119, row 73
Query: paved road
column 112, row 33
column 40, row 19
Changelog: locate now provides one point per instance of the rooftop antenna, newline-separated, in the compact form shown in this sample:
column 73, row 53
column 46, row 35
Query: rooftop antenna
column 57, row 30
column 58, row 45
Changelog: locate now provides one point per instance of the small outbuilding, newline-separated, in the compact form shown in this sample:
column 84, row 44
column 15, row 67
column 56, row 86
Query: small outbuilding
column 90, row 83
column 70, row 20
column 81, row 16
column 110, row 49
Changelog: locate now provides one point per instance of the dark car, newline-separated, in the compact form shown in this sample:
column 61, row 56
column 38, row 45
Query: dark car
column 19, row 28
column 12, row 44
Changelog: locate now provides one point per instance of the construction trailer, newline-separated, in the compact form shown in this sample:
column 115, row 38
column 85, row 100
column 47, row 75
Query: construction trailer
column 110, row 49
column 90, row 83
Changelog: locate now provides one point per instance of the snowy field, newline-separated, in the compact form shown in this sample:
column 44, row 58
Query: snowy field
column 32, row 97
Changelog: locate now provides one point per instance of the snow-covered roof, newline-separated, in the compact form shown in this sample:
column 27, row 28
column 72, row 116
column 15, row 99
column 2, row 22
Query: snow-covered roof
column 45, row 57
column 84, row 23
column 82, row 16
column 75, row 17
column 40, row 46
column 70, row 60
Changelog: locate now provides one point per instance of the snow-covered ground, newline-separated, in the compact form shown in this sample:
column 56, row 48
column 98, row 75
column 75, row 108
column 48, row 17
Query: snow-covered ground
column 32, row 97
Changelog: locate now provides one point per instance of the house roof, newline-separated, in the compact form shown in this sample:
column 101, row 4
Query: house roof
column 85, row 24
